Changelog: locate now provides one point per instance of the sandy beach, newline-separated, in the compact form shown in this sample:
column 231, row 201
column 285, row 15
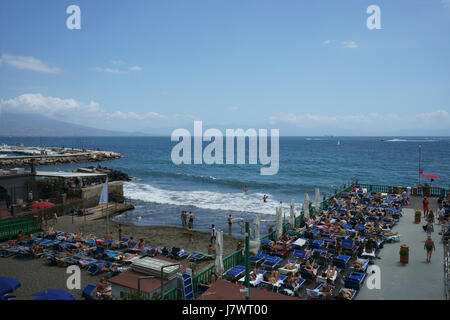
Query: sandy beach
column 35, row 276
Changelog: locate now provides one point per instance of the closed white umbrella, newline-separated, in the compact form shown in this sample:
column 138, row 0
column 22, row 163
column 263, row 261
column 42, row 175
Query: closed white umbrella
column 317, row 199
column 279, row 223
column 306, row 207
column 219, row 253
column 292, row 215
column 256, row 242
column 257, row 226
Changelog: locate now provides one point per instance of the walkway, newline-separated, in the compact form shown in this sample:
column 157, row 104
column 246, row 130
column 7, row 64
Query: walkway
column 418, row 279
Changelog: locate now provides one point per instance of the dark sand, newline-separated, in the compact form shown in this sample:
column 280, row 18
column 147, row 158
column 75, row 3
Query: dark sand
column 35, row 276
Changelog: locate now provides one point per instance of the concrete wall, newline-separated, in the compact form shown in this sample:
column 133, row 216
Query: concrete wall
column 15, row 185
column 91, row 195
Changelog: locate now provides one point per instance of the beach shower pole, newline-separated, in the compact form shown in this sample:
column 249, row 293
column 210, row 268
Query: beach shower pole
column 247, row 260
column 420, row 156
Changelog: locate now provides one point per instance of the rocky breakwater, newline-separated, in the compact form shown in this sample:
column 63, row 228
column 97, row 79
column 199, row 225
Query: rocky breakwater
column 45, row 160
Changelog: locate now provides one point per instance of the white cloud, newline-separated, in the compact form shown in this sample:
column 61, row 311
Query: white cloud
column 117, row 62
column 90, row 114
column 48, row 106
column 135, row 68
column 350, row 44
column 327, row 42
column 234, row 108
column 373, row 122
column 27, row 63
column 108, row 70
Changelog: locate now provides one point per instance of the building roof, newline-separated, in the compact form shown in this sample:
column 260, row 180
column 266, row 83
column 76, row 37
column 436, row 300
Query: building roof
column 129, row 279
column 65, row 174
column 224, row 290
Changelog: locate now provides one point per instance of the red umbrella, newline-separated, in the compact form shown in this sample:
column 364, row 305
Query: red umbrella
column 42, row 205
column 432, row 176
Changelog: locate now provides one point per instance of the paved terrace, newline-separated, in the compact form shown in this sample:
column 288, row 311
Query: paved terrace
column 418, row 279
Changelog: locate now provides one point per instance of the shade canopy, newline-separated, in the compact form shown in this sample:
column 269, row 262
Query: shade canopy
column 432, row 176
column 8, row 285
column 42, row 205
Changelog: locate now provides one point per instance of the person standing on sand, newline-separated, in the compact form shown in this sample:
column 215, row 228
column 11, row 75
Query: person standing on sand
column 191, row 232
column 183, row 218
column 191, row 219
column 230, row 224
column 429, row 247
column 425, row 206
column 120, row 232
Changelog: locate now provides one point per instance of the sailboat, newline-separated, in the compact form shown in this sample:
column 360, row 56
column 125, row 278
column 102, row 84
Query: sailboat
column 339, row 143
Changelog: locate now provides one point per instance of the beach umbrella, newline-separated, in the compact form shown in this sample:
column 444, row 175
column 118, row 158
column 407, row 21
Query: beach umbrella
column 257, row 227
column 279, row 220
column 8, row 285
column 432, row 176
column 219, row 253
column 292, row 215
column 317, row 199
column 53, row 294
column 42, row 205
column 306, row 207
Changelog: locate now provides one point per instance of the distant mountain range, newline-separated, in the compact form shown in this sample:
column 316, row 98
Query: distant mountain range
column 25, row 125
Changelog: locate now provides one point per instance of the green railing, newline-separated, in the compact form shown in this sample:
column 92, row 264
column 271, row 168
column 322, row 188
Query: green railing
column 433, row 191
column 11, row 229
column 202, row 277
column 172, row 294
column 234, row 259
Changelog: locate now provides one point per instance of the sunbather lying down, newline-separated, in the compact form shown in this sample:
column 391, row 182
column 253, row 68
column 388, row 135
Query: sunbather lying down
column 329, row 273
column 273, row 278
column 292, row 265
column 358, row 264
column 346, row 293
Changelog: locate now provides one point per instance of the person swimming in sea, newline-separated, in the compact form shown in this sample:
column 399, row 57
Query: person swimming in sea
column 265, row 198
column 245, row 189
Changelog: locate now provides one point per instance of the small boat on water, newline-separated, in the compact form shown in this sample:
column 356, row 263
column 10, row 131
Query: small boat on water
column 339, row 143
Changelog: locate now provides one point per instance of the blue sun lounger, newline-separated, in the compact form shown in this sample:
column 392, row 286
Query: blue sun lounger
column 354, row 280
column 235, row 272
column 299, row 254
column 260, row 256
column 271, row 262
column 341, row 261
column 290, row 290
column 316, row 244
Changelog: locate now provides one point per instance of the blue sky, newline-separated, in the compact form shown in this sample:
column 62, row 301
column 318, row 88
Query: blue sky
column 305, row 67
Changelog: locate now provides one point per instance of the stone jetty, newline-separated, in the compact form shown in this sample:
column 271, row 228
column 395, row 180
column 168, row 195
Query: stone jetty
column 52, row 159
